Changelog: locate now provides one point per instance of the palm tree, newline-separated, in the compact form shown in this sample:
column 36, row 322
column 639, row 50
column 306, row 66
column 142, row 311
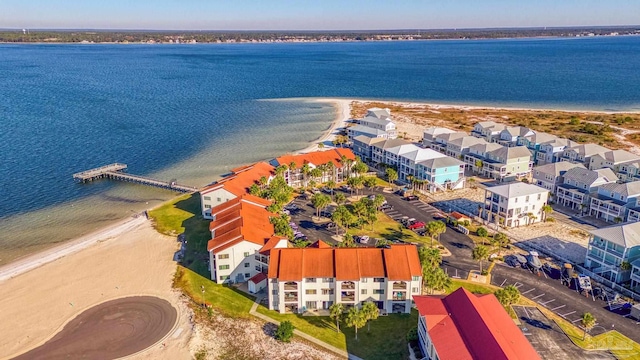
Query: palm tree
column 437, row 279
column 355, row 319
column 546, row 210
column 263, row 182
column 340, row 198
column 370, row 312
column 529, row 217
column 588, row 322
column 617, row 220
column 500, row 240
column 429, row 258
column 335, row 312
column 435, row 228
column 331, row 185
column 480, row 253
column 392, row 175
column 332, row 169
column 305, row 173
column 316, row 174
column 625, row 266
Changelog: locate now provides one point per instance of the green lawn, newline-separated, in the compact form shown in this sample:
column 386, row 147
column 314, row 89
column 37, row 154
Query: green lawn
column 387, row 339
column 227, row 300
column 182, row 215
column 320, row 327
column 473, row 287
column 387, row 228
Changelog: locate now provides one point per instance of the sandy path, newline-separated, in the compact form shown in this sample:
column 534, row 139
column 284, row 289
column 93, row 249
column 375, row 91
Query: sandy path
column 36, row 304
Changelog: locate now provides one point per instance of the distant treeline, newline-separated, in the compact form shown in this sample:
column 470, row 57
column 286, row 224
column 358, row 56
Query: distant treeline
column 105, row 36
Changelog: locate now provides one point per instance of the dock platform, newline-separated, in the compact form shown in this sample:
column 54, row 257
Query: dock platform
column 115, row 171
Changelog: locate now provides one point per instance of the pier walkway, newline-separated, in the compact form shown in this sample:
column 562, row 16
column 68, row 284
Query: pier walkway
column 115, row 172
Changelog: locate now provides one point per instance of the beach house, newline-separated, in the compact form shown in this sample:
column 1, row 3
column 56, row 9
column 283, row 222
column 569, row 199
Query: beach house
column 477, row 153
column 582, row 153
column 578, row 184
column 440, row 141
column 614, row 160
column 507, row 163
column 613, row 201
column 510, row 135
column 533, row 142
column 376, row 123
column 552, row 151
column 549, row 176
column 430, row 133
column 465, row 326
column 457, row 148
column 441, row 173
column 488, row 130
column 515, row 204
column 362, row 146
column 629, row 171
column 314, row 278
column 378, row 149
column 609, row 247
column 241, row 238
column 333, row 163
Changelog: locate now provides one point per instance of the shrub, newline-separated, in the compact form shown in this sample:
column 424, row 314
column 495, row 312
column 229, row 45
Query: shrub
column 285, row 331
column 550, row 219
column 482, row 232
column 412, row 335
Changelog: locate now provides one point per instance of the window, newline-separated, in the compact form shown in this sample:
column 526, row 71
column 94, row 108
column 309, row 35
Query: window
column 223, row 267
column 364, row 280
column 224, row 277
column 274, row 292
column 327, row 280
column 246, row 254
column 207, row 206
column 378, row 280
column 207, row 197
column 310, row 291
column 310, row 280
column 363, row 292
column 327, row 291
column 515, row 200
column 415, row 290
column 257, row 267
column 378, row 291
column 539, row 196
column 527, row 199
column 223, row 256
column 533, row 207
column 219, row 199
column 415, row 278
column 247, row 275
column 311, row 304
column 247, row 264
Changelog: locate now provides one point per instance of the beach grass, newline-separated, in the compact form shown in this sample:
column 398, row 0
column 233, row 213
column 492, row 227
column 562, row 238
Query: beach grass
column 225, row 299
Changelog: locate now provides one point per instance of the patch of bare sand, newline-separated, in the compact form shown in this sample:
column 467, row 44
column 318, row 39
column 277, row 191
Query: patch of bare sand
column 35, row 305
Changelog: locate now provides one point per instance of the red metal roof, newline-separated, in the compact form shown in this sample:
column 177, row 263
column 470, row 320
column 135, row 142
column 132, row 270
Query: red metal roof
column 467, row 326
column 399, row 262
column 258, row 278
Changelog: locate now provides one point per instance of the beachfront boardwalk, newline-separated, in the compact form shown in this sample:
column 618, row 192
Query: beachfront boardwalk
column 115, row 171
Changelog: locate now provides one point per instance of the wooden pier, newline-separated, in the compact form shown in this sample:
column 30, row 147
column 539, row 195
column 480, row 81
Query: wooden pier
column 116, row 172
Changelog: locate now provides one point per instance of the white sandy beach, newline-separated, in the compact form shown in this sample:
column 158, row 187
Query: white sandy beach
column 342, row 116
column 136, row 260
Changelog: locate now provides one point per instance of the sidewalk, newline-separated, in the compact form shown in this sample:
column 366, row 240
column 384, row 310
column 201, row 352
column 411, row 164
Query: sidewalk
column 297, row 332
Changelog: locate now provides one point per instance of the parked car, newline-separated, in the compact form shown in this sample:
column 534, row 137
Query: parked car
column 411, row 197
column 285, row 211
column 291, row 206
column 363, row 239
column 345, row 188
column 330, row 225
column 386, row 207
column 416, row 225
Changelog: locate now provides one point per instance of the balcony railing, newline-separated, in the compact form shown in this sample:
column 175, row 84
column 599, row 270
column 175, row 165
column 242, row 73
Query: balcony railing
column 290, row 287
column 348, row 297
column 400, row 286
column 291, row 298
column 348, row 286
column 399, row 297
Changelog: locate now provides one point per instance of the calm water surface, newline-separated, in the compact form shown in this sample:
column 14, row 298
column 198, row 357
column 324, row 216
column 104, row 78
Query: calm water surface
column 192, row 112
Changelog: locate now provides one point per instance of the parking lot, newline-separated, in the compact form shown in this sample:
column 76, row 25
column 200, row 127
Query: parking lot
column 549, row 340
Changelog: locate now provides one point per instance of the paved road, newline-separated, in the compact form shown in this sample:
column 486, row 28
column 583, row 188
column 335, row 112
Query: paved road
column 110, row 330
column 549, row 340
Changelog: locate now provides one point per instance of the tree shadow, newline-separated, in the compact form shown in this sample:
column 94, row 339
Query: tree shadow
column 196, row 236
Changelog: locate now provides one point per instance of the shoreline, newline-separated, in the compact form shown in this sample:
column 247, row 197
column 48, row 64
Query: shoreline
column 342, row 115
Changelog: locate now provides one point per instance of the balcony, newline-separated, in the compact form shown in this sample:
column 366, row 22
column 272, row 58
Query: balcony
column 400, row 285
column 291, row 286
column 289, row 297
column 348, row 286
column 400, row 296
column 348, row 296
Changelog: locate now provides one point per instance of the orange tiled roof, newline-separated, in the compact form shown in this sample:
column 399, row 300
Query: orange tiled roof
column 399, row 262
column 237, row 221
column 240, row 179
column 467, row 326
column 270, row 244
column 456, row 215
column 320, row 244
column 317, row 157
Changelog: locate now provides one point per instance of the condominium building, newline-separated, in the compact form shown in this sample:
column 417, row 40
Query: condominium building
column 612, row 159
column 578, row 185
column 376, row 123
column 488, row 130
column 378, row 149
column 241, row 237
column 611, row 246
column 313, row 279
column 582, row 153
column 429, row 135
column 465, row 326
column 441, row 141
column 457, row 148
column 552, row 151
column 332, row 163
column 515, row 204
column 510, row 135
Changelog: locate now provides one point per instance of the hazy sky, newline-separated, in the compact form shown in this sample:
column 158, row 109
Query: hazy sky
column 313, row 15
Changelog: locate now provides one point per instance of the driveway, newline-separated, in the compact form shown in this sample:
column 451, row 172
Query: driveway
column 549, row 340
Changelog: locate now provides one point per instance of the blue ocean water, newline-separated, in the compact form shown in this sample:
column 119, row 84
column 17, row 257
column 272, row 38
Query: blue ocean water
column 191, row 111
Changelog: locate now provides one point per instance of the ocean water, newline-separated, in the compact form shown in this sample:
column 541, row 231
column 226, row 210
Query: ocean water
column 192, row 112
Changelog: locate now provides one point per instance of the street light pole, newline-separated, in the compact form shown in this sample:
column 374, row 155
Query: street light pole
column 204, row 302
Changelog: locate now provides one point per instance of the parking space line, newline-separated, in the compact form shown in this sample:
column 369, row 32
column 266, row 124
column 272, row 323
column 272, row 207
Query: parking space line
column 517, row 284
column 501, row 285
column 558, row 307
column 575, row 321
column 541, row 295
column 546, row 302
column 569, row 313
column 528, row 291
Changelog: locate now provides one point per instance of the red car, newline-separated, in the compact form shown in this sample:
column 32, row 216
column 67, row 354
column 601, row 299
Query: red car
column 416, row 225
